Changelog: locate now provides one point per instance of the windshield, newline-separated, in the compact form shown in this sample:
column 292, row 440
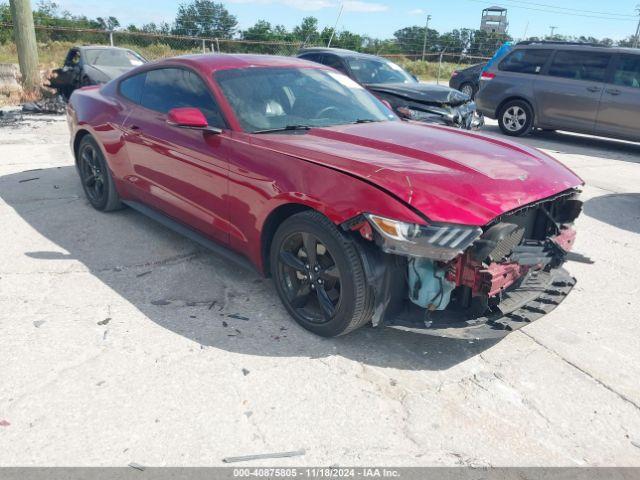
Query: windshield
column 276, row 98
column 113, row 58
column 373, row 70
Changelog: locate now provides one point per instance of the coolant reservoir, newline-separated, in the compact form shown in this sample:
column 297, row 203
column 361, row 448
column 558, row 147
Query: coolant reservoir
column 428, row 285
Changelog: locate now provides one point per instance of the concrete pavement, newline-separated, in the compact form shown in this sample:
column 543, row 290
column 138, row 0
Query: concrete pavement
column 123, row 342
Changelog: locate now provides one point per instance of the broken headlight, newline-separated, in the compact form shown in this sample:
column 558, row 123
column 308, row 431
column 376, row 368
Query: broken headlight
column 437, row 242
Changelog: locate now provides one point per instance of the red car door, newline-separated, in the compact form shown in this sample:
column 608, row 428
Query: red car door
column 182, row 172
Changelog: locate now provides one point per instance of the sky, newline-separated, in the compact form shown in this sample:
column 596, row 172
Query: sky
column 615, row 19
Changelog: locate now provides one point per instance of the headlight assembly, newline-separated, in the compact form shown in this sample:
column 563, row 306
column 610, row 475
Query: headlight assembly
column 437, row 242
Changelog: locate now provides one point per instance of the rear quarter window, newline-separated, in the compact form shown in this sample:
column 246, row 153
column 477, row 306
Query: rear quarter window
column 627, row 73
column 525, row 61
column 131, row 88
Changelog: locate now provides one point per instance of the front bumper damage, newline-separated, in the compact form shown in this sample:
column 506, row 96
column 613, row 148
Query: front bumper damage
column 463, row 116
column 503, row 282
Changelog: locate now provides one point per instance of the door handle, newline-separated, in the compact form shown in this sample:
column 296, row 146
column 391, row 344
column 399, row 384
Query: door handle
column 593, row 89
column 613, row 91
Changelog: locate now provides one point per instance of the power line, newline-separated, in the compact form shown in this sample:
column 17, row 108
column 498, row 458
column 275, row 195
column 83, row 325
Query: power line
column 578, row 10
column 630, row 19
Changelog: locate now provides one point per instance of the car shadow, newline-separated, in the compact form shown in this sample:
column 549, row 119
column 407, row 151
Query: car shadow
column 571, row 143
column 192, row 292
column 621, row 210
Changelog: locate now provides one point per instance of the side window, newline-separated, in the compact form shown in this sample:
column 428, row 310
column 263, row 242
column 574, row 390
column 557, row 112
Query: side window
column 312, row 57
column 627, row 72
column 591, row 66
column 168, row 88
column 525, row 61
column 131, row 88
column 334, row 62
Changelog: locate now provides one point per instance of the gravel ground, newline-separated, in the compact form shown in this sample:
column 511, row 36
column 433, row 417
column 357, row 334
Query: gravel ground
column 123, row 342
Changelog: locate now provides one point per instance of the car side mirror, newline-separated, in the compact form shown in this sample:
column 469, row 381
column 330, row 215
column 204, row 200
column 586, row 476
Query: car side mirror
column 415, row 77
column 189, row 117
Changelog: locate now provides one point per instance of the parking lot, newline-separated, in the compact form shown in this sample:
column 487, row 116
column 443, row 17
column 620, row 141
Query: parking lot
column 123, row 342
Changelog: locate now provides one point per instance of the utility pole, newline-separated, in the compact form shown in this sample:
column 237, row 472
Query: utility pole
column 333, row 32
column 25, row 36
column 637, row 39
column 553, row 29
column 426, row 32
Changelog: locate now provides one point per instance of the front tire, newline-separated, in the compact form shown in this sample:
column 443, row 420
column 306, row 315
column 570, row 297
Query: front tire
column 319, row 275
column 515, row 118
column 95, row 176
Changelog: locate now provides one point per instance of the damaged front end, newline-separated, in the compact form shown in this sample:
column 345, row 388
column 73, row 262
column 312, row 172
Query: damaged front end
column 431, row 104
column 470, row 282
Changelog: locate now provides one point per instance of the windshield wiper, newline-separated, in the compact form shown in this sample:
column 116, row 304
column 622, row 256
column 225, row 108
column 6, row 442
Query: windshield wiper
column 366, row 120
column 284, row 129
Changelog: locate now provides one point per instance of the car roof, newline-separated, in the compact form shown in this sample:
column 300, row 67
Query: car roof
column 341, row 52
column 574, row 47
column 100, row 47
column 211, row 62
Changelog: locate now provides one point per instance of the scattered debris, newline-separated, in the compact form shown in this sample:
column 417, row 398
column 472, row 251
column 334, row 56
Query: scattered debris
column 56, row 187
column 635, row 444
column 100, row 383
column 225, row 324
column 261, row 456
column 245, row 372
column 38, row 323
column 212, row 304
column 55, row 105
column 192, row 316
column 237, row 317
column 143, row 274
column 160, row 302
column 28, row 179
column 104, row 335
column 105, row 321
column 393, row 382
column 137, row 466
column 4, row 423
column 248, row 413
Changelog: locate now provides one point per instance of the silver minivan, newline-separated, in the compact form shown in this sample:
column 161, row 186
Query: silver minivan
column 563, row 86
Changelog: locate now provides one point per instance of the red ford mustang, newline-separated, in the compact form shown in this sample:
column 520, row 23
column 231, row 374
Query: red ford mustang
column 294, row 169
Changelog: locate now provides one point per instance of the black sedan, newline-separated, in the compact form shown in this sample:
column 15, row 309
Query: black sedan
column 408, row 97
column 467, row 80
column 93, row 65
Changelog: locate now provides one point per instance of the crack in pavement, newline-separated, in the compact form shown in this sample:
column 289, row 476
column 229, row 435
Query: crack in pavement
column 620, row 395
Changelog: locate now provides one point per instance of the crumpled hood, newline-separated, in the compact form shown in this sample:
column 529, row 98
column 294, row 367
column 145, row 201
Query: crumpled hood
column 447, row 174
column 104, row 73
column 422, row 93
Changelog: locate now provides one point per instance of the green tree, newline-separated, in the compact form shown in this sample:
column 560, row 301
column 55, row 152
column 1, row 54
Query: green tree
column 410, row 40
column 307, row 31
column 261, row 31
column 204, row 18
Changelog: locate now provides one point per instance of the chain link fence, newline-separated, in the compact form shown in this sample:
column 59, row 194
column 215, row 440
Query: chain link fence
column 435, row 63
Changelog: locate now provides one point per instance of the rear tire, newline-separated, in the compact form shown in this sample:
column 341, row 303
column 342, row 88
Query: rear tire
column 96, row 177
column 325, row 291
column 515, row 118
column 467, row 88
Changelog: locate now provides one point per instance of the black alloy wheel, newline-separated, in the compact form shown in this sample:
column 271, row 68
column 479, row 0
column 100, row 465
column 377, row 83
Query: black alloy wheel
column 95, row 176
column 92, row 175
column 319, row 275
column 310, row 277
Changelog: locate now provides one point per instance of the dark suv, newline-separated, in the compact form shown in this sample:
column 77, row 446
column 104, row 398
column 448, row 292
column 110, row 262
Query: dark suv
column 561, row 86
